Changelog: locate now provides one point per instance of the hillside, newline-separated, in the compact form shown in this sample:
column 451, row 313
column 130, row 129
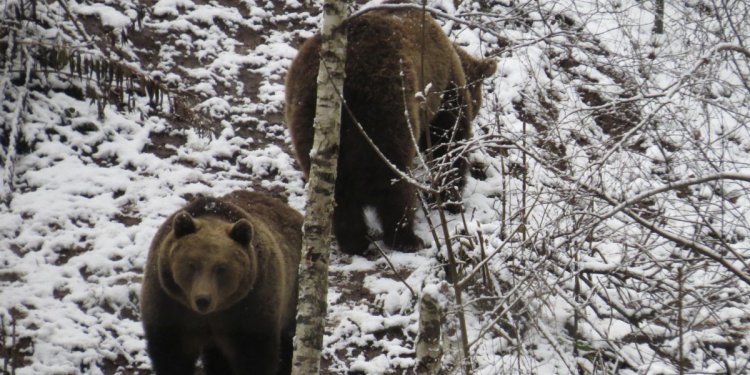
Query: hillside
column 607, row 188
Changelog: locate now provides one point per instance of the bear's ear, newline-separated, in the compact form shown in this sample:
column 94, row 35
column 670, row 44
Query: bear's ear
column 488, row 68
column 242, row 232
column 183, row 224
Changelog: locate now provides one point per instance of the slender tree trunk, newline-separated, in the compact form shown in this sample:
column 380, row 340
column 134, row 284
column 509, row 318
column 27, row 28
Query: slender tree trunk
column 428, row 347
column 659, row 22
column 316, row 245
column 13, row 127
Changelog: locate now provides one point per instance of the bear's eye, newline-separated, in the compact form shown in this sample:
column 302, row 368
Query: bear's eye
column 192, row 266
column 220, row 270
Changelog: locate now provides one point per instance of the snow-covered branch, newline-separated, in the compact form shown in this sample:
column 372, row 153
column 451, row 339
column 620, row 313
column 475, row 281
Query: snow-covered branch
column 673, row 186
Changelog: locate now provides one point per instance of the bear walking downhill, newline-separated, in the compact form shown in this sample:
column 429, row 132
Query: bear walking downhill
column 221, row 284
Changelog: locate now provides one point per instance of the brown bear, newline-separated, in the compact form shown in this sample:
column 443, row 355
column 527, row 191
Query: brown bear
column 221, row 283
column 385, row 59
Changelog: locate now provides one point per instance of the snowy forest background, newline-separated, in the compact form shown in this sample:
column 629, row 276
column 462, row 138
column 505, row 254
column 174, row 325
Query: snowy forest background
column 606, row 223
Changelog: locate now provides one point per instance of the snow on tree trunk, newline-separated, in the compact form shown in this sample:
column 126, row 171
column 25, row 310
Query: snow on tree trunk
column 313, row 269
column 428, row 348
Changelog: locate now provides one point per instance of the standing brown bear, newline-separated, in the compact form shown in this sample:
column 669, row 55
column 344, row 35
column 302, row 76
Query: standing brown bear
column 385, row 58
column 221, row 283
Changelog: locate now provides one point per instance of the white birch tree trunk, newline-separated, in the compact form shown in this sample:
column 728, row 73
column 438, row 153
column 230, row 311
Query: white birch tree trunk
column 316, row 244
column 428, row 347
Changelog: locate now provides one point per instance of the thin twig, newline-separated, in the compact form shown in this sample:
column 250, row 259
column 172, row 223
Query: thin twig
column 393, row 268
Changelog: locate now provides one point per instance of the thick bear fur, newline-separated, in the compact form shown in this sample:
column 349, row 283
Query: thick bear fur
column 384, row 62
column 221, row 283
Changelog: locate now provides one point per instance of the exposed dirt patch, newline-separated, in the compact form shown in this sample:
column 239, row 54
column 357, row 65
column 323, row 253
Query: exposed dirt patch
column 65, row 254
column 165, row 145
column 9, row 276
column 14, row 349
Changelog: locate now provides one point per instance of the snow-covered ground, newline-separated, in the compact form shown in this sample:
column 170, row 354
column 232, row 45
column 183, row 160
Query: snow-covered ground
column 589, row 108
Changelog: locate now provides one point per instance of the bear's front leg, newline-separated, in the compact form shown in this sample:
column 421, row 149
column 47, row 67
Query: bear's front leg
column 450, row 127
column 214, row 362
column 255, row 354
column 286, row 351
column 171, row 350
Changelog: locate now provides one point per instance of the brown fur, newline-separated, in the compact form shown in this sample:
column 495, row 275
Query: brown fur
column 220, row 282
column 383, row 64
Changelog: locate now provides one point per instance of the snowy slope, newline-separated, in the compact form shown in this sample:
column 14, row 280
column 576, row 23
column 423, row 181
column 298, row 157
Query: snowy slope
column 589, row 108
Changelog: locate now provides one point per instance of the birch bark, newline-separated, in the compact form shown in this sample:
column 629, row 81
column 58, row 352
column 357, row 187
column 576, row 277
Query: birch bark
column 316, row 245
column 428, row 346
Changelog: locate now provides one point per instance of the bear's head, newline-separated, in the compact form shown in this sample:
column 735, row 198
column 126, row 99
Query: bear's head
column 476, row 71
column 209, row 263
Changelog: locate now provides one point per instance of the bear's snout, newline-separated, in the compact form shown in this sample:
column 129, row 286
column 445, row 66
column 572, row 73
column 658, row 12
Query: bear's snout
column 202, row 303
